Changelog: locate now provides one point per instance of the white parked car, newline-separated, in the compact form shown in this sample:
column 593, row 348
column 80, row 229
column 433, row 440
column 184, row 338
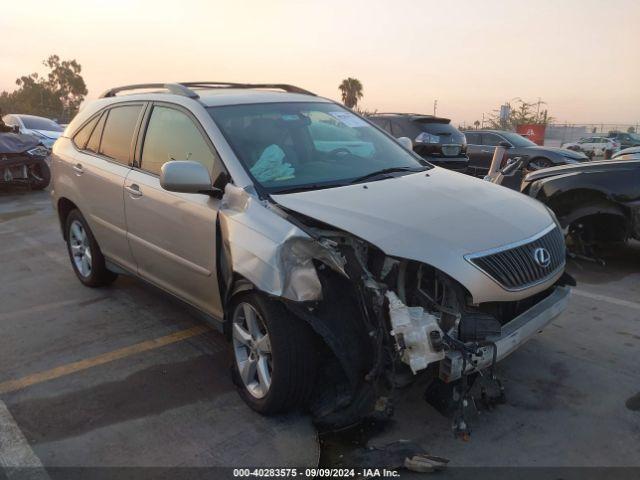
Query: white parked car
column 594, row 146
column 45, row 129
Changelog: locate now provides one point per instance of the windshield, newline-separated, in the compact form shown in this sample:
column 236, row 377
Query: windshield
column 298, row 145
column 40, row 123
column 517, row 140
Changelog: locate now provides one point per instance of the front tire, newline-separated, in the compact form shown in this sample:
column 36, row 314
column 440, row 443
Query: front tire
column 274, row 361
column 86, row 257
column 41, row 176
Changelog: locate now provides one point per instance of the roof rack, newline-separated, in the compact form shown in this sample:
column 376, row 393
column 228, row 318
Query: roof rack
column 279, row 86
column 184, row 88
column 174, row 88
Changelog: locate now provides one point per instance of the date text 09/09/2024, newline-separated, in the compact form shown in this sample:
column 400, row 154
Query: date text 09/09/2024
column 315, row 473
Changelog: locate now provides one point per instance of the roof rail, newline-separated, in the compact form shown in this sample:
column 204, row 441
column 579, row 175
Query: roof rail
column 279, row 86
column 401, row 113
column 175, row 88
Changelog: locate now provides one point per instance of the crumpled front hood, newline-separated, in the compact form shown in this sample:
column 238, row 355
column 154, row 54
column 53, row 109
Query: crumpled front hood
column 430, row 216
column 17, row 142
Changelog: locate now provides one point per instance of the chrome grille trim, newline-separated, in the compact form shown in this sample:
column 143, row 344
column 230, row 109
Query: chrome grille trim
column 513, row 267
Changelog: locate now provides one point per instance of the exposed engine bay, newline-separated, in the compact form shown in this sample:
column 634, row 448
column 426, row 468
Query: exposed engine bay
column 381, row 320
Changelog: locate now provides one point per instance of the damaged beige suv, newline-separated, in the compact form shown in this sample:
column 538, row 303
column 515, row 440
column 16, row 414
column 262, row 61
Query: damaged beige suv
column 335, row 260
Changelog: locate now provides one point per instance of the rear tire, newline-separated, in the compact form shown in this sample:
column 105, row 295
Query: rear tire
column 86, row 257
column 274, row 361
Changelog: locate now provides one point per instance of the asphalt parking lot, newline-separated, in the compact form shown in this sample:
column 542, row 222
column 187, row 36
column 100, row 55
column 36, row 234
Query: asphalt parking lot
column 125, row 376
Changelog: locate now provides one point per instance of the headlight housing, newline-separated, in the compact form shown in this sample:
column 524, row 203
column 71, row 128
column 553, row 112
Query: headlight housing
column 38, row 151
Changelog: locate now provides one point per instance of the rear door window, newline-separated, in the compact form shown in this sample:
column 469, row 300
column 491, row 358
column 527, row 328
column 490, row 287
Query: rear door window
column 382, row 123
column 118, row 132
column 173, row 135
column 473, row 138
column 491, row 139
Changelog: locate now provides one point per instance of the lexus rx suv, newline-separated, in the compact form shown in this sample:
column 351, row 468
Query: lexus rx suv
column 332, row 257
column 433, row 138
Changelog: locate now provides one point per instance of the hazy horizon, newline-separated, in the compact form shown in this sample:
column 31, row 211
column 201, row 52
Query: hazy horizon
column 579, row 56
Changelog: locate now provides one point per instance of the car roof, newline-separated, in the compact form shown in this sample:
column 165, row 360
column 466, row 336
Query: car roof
column 23, row 115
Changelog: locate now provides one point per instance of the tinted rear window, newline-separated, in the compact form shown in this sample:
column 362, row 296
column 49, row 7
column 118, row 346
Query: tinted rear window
column 118, row 132
column 447, row 132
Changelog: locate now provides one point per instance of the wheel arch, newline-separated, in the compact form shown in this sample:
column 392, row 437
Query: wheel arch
column 64, row 207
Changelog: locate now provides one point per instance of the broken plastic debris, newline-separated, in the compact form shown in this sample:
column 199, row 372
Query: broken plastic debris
column 271, row 165
column 425, row 463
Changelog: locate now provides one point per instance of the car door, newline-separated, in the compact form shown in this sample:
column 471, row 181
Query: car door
column 105, row 145
column 173, row 235
column 474, row 147
column 483, row 159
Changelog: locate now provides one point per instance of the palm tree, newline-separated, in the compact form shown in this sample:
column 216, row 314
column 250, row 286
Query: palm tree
column 351, row 90
column 476, row 124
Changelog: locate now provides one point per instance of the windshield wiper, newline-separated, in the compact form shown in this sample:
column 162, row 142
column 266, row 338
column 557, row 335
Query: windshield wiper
column 385, row 171
column 305, row 188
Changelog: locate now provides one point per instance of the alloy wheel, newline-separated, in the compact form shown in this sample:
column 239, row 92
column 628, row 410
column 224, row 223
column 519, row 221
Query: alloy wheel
column 252, row 350
column 80, row 248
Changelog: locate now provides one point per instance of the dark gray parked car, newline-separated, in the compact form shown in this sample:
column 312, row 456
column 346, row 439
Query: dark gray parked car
column 482, row 143
column 434, row 138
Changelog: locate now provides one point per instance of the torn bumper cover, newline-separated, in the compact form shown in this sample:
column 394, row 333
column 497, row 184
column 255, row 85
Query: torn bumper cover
column 512, row 336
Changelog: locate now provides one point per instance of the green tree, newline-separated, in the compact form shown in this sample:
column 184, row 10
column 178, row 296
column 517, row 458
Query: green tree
column 520, row 113
column 631, row 130
column 351, row 91
column 56, row 95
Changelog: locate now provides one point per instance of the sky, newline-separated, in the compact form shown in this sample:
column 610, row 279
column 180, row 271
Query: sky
column 582, row 57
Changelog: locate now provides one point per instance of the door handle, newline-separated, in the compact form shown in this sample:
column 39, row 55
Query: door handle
column 78, row 168
column 134, row 190
column 485, row 151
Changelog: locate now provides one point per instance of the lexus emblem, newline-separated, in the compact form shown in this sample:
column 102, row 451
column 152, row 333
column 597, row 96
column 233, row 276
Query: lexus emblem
column 542, row 257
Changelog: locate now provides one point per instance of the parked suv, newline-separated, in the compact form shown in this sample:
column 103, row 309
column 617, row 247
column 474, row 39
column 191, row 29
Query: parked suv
column 482, row 145
column 332, row 257
column 433, row 138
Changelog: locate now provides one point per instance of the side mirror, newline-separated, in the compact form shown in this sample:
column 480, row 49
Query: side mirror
column 406, row 143
column 187, row 177
column 504, row 144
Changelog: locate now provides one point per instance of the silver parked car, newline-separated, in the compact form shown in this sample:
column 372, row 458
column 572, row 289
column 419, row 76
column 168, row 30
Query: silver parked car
column 334, row 258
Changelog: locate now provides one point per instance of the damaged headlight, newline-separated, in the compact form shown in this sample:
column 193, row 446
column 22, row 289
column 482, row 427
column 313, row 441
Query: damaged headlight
column 555, row 218
column 297, row 257
column 38, row 151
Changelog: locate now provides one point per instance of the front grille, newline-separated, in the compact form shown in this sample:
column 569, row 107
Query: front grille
column 515, row 267
column 451, row 150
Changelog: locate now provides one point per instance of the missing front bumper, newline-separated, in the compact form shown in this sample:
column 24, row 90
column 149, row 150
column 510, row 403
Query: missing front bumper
column 513, row 335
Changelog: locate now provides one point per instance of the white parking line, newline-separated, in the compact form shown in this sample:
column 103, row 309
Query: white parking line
column 17, row 459
column 605, row 298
